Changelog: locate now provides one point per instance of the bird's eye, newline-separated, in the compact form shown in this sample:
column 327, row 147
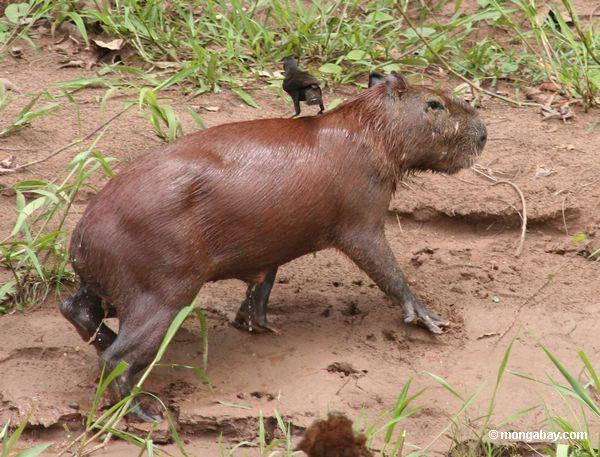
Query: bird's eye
column 434, row 104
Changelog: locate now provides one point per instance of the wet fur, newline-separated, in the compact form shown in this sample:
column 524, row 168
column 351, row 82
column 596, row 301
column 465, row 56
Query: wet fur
column 238, row 200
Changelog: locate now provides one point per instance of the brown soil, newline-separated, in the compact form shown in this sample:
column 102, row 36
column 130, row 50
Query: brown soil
column 454, row 236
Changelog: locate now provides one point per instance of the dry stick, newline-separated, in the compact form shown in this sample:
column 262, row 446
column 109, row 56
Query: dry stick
column 519, row 250
column 2, row 148
column 563, row 214
column 447, row 66
column 71, row 144
column 399, row 224
column 528, row 299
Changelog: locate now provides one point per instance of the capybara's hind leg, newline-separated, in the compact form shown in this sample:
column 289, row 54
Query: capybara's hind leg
column 84, row 310
column 142, row 327
column 252, row 315
column 372, row 253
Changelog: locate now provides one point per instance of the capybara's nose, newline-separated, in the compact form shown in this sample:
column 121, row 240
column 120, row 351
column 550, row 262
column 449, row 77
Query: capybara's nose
column 483, row 139
column 480, row 134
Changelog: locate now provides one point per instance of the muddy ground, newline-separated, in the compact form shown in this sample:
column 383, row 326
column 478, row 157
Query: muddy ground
column 455, row 238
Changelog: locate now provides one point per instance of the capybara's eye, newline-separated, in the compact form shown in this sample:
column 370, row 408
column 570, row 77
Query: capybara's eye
column 434, row 104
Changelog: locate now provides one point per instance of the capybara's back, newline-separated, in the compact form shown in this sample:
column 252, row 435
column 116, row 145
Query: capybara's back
column 238, row 200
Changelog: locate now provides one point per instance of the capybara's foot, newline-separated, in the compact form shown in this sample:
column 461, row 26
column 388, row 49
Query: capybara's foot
column 243, row 322
column 431, row 321
column 143, row 413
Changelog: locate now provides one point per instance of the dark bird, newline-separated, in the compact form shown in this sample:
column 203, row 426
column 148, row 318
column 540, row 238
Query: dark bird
column 333, row 437
column 301, row 86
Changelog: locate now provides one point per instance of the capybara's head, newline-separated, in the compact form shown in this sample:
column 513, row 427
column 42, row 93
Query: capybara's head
column 438, row 131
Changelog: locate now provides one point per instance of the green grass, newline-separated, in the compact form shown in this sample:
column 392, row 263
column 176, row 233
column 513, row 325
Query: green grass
column 218, row 43
column 35, row 252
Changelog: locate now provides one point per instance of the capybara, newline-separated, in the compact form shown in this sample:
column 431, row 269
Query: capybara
column 333, row 437
column 240, row 199
column 301, row 86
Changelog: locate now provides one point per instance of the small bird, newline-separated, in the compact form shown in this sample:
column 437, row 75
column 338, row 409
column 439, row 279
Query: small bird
column 333, row 437
column 301, row 86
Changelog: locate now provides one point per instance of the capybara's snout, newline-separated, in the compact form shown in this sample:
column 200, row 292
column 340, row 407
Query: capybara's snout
column 479, row 132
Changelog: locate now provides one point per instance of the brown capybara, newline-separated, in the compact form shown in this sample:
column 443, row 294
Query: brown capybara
column 238, row 200
column 333, row 437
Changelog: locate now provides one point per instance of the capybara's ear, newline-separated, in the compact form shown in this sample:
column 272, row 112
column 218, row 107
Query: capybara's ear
column 396, row 82
column 375, row 78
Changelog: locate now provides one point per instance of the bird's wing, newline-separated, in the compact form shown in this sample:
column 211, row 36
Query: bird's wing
column 297, row 80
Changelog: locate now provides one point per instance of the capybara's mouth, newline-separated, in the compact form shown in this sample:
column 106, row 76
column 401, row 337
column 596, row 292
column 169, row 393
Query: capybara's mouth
column 466, row 160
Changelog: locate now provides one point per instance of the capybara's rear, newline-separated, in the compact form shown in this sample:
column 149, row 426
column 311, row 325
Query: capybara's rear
column 238, row 200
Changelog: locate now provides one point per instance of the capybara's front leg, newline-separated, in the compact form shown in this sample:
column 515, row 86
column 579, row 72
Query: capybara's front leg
column 142, row 327
column 372, row 253
column 252, row 315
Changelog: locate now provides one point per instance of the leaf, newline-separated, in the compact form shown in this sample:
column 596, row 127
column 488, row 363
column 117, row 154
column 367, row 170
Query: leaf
column 509, row 67
column 27, row 211
column 562, row 450
column 204, row 331
column 582, row 356
column 35, row 261
column 196, row 118
column 246, row 98
column 594, row 77
column 76, row 18
column 175, row 435
column 34, row 451
column 356, row 54
column 516, row 416
column 391, row 67
column 446, row 385
column 9, row 444
column 15, row 11
column 330, row 68
column 233, row 405
column 112, row 45
column 424, row 31
column 177, row 77
column 416, row 61
column 581, row 393
column 7, row 289
column 81, row 83
column 379, row 16
column 102, row 385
